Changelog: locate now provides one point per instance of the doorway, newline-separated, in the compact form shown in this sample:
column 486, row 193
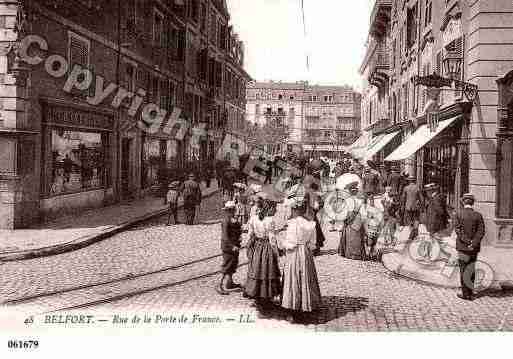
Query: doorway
column 126, row 145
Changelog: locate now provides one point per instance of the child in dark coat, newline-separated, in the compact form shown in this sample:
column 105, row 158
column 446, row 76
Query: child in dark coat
column 172, row 201
column 230, row 246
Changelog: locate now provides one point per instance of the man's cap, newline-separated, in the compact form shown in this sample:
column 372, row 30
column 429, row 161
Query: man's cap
column 174, row 184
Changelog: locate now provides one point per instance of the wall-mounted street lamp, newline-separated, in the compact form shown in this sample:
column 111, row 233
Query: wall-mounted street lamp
column 452, row 64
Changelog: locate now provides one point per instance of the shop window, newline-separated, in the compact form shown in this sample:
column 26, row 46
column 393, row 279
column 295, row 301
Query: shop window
column 78, row 161
column 153, row 157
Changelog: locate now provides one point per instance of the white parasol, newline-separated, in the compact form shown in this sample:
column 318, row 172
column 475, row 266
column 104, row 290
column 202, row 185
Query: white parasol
column 346, row 179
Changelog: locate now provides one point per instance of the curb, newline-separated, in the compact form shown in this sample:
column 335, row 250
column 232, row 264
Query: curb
column 418, row 276
column 86, row 240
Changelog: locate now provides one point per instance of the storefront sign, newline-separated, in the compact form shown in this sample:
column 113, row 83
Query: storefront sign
column 60, row 115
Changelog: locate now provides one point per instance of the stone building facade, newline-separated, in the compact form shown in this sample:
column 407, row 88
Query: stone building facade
column 321, row 119
column 409, row 38
column 63, row 146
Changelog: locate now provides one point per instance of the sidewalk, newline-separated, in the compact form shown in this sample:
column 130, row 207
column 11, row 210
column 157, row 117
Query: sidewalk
column 404, row 260
column 74, row 232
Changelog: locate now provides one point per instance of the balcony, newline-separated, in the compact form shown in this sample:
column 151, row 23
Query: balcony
column 379, row 66
column 380, row 18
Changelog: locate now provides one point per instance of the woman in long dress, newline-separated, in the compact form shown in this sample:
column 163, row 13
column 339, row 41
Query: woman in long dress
column 263, row 278
column 352, row 236
column 301, row 292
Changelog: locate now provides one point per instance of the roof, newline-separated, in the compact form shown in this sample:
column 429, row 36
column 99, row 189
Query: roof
column 299, row 85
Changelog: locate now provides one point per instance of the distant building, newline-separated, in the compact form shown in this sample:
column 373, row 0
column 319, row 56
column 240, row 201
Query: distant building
column 321, row 119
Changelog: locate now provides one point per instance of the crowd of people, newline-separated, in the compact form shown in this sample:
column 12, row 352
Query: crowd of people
column 286, row 221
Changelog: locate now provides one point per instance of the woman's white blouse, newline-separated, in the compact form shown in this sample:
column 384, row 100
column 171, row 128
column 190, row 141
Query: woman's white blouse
column 261, row 228
column 300, row 231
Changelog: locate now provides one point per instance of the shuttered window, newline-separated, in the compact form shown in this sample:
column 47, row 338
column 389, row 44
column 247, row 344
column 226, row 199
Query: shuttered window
column 78, row 51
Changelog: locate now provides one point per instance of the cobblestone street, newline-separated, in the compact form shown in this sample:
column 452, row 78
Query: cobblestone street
column 153, row 268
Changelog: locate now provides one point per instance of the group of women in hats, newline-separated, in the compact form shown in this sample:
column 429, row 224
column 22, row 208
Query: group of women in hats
column 280, row 248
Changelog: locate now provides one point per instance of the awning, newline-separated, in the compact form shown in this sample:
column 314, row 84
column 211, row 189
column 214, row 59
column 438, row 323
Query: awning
column 358, row 143
column 418, row 140
column 376, row 146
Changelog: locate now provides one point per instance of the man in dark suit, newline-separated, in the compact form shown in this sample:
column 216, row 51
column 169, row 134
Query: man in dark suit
column 470, row 230
column 394, row 181
column 370, row 182
column 191, row 193
column 436, row 213
column 411, row 199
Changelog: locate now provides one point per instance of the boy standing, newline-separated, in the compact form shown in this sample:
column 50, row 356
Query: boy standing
column 172, row 200
column 230, row 246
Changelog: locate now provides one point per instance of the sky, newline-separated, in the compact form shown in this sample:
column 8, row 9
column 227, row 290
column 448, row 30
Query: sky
column 276, row 48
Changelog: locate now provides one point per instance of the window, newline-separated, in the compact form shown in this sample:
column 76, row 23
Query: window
column 79, row 48
column 291, row 97
column 203, row 17
column 428, row 17
column 394, row 49
column 328, row 98
column 172, row 95
column 411, row 26
column 194, row 10
column 222, row 36
column 257, row 109
column 158, row 28
column 280, row 97
column 131, row 15
column 154, row 93
column 292, row 112
column 130, row 77
column 180, row 50
column 78, row 161
column 213, row 28
column 405, row 95
column 164, row 94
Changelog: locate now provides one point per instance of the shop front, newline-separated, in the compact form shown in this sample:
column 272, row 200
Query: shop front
column 77, row 150
column 160, row 163
column 440, row 151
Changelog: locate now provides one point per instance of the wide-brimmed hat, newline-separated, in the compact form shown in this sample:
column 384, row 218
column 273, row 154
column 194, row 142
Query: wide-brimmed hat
column 192, row 176
column 229, row 205
column 411, row 178
column 240, row 185
column 431, row 187
column 174, row 184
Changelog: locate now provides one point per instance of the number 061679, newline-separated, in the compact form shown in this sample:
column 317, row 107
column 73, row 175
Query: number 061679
column 22, row 344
